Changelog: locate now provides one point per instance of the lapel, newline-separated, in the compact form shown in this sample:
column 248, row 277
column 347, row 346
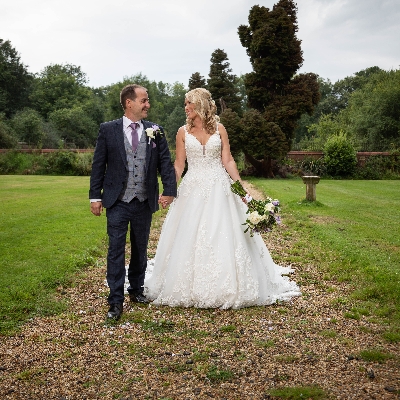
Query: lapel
column 119, row 135
column 146, row 125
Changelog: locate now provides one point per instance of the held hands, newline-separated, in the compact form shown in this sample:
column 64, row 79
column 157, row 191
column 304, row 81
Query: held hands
column 96, row 207
column 165, row 201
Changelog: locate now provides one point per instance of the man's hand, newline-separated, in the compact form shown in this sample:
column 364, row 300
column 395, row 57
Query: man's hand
column 96, row 207
column 165, row 201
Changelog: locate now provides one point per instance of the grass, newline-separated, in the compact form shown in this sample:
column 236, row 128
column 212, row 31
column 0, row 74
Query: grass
column 374, row 355
column 47, row 232
column 348, row 235
column 298, row 393
column 352, row 233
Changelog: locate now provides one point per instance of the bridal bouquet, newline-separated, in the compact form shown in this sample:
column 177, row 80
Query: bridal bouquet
column 262, row 213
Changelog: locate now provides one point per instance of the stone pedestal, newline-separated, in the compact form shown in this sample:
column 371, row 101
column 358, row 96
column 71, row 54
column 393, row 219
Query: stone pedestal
column 310, row 182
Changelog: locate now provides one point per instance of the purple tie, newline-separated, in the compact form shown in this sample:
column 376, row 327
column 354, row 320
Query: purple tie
column 135, row 136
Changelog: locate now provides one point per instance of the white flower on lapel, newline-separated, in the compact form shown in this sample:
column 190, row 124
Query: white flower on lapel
column 153, row 131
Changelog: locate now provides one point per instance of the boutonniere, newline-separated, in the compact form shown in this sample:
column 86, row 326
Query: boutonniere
column 153, row 132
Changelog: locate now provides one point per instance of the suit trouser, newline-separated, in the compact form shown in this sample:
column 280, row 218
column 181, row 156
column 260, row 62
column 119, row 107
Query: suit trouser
column 138, row 215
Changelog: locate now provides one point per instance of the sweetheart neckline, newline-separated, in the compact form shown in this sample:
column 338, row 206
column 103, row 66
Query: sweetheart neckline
column 199, row 140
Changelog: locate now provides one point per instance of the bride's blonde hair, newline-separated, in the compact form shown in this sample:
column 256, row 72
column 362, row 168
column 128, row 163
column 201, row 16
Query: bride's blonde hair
column 204, row 107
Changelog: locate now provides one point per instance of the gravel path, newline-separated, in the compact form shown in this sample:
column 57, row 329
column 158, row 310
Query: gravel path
column 172, row 353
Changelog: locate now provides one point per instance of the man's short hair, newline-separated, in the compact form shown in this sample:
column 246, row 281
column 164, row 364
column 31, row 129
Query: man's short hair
column 129, row 92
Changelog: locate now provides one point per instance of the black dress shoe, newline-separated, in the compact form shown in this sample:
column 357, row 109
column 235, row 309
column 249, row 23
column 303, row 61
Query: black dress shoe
column 138, row 298
column 115, row 311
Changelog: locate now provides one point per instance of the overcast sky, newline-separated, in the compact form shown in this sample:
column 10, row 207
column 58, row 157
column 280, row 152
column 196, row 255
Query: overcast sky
column 168, row 40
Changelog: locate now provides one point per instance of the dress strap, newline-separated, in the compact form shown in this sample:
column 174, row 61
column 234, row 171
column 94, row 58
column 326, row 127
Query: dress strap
column 217, row 131
column 184, row 127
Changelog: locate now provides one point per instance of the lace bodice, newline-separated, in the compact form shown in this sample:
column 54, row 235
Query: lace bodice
column 204, row 164
column 199, row 155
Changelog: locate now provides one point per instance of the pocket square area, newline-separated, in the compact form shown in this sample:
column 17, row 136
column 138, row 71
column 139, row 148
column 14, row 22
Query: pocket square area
column 154, row 145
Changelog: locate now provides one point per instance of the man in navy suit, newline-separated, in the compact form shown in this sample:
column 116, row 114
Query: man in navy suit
column 129, row 153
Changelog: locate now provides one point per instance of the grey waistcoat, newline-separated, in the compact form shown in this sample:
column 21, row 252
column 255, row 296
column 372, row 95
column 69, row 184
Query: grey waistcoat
column 136, row 185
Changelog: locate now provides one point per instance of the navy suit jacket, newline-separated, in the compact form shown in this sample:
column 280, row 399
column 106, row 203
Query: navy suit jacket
column 110, row 166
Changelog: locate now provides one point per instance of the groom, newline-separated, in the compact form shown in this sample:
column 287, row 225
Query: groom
column 124, row 181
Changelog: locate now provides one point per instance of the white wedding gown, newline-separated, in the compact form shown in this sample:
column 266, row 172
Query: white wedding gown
column 203, row 258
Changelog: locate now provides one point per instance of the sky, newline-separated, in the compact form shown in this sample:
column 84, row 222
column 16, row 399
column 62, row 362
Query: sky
column 168, row 40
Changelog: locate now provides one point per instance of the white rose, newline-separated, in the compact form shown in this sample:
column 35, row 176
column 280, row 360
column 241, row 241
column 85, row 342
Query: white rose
column 269, row 207
column 255, row 218
column 150, row 132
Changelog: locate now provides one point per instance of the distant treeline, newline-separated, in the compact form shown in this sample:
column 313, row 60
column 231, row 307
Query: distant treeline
column 267, row 112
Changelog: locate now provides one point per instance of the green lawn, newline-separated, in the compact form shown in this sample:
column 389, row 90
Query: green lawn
column 352, row 232
column 47, row 232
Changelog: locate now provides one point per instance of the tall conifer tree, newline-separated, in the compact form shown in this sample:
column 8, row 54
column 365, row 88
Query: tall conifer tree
column 196, row 81
column 273, row 88
column 222, row 83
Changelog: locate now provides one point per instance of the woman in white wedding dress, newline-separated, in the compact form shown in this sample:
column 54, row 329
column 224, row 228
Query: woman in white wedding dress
column 203, row 258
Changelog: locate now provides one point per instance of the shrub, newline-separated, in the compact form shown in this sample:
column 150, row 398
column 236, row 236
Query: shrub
column 82, row 165
column 62, row 163
column 8, row 139
column 13, row 162
column 313, row 167
column 379, row 167
column 340, row 156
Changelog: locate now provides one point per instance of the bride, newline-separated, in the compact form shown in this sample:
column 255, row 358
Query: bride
column 203, row 258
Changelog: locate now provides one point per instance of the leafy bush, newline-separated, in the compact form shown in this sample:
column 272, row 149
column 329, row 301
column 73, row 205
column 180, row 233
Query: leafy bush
column 13, row 162
column 313, row 167
column 82, row 165
column 62, row 163
column 8, row 139
column 340, row 156
column 379, row 167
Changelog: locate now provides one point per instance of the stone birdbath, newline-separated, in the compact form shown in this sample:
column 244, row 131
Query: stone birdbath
column 310, row 182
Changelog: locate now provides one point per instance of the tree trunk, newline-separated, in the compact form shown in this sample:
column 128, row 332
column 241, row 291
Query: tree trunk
column 263, row 167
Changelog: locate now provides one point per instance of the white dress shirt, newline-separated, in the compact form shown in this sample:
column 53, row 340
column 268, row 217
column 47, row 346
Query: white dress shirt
column 128, row 130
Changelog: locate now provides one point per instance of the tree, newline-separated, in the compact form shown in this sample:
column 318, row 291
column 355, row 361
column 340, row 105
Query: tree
column 174, row 121
column 261, row 137
column 175, row 112
column 28, row 124
column 302, row 131
column 94, row 106
column 233, row 125
column 112, row 92
column 59, row 86
column 374, row 111
column 75, row 126
column 241, row 89
column 222, row 84
column 15, row 80
column 196, row 81
column 167, row 102
column 273, row 89
column 8, row 139
column 368, row 112
column 342, row 89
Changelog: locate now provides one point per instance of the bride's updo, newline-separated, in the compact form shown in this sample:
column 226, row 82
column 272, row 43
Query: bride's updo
column 204, row 107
